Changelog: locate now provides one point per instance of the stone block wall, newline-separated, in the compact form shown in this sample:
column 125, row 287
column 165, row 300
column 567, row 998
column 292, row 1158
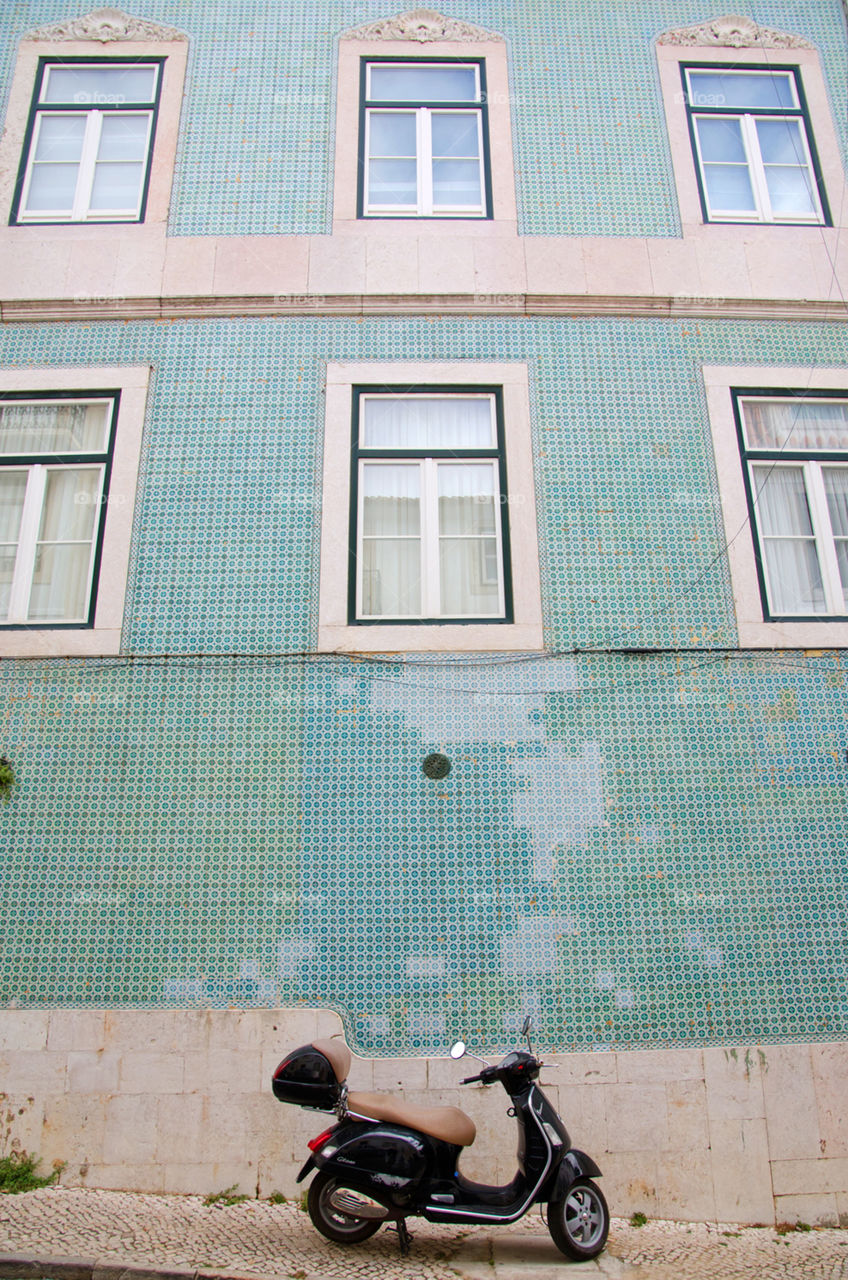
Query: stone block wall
column 180, row 1101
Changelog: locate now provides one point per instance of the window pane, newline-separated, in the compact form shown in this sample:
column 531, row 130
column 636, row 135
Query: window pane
column 60, row 583
column 790, row 192
column 391, row 500
column 423, row 84
column 772, row 89
column 781, row 501
column 836, row 489
column 456, row 183
column 53, row 428
column 842, row 561
column 8, row 555
column 393, row 182
column 465, row 566
column 466, row 498
column 392, row 133
column 729, row 188
column 71, row 502
column 455, row 135
column 803, row 424
column 52, row 188
column 781, row 142
column 123, row 137
column 794, row 579
column 60, row 139
column 721, row 140
column 116, row 187
column 12, row 489
column 391, row 577
column 427, row 422
column 93, row 86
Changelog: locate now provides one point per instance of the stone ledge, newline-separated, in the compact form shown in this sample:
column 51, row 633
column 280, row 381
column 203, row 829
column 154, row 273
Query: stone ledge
column 210, row 306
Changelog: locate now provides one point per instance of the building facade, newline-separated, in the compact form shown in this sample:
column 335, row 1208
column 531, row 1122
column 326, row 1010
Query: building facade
column 423, row 529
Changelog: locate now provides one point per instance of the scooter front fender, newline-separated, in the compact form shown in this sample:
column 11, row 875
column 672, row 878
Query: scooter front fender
column 575, row 1164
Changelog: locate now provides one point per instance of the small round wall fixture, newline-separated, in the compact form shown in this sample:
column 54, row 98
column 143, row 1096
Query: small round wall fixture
column 436, row 765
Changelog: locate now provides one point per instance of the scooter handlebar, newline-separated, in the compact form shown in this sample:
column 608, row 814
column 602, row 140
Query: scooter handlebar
column 486, row 1076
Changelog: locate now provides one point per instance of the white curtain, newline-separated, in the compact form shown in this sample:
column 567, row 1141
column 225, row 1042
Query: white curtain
column 797, row 424
column 391, row 542
column 52, row 428
column 468, row 567
column 63, row 554
column 836, row 490
column 792, row 565
column 430, row 422
column 12, row 490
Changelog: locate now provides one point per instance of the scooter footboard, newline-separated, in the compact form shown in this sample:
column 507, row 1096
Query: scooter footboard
column 575, row 1164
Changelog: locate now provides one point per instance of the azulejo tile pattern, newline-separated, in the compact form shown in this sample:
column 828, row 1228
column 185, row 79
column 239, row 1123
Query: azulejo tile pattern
column 641, row 849
column 256, row 140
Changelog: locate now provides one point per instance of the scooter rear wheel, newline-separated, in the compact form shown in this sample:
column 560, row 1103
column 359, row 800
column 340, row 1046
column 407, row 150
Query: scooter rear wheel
column 579, row 1223
column 332, row 1208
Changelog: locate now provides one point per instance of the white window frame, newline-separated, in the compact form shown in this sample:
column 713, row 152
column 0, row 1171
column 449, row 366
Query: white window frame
column 502, row 216
column 161, row 154
column 423, row 113
column 756, row 630
column 32, row 514
column 102, row 637
column 759, row 459
column 822, row 129
column 80, row 209
column 429, row 536
column 335, row 632
column 755, row 166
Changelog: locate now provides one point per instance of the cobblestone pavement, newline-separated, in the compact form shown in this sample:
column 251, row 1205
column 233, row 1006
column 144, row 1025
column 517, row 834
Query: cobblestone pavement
column 110, row 1235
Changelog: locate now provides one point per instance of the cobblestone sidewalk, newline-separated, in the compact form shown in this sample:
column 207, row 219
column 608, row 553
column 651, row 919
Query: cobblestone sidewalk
column 70, row 1234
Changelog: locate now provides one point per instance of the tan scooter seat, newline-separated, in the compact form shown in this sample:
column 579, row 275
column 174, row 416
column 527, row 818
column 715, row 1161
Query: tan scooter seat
column 448, row 1123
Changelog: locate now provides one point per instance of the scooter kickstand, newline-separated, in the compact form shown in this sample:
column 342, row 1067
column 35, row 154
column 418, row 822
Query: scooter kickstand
column 404, row 1238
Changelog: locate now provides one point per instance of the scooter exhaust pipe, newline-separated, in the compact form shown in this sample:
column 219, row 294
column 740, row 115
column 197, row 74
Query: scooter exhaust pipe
column 357, row 1205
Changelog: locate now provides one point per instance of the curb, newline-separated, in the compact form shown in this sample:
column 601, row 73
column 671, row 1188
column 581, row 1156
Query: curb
column 33, row 1266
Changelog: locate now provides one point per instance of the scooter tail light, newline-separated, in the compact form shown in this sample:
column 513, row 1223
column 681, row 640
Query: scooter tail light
column 317, row 1143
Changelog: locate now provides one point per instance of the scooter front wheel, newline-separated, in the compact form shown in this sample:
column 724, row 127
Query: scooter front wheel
column 579, row 1223
column 341, row 1213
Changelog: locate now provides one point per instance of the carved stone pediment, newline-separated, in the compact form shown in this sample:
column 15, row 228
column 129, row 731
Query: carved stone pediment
column 734, row 32
column 423, row 25
column 105, row 25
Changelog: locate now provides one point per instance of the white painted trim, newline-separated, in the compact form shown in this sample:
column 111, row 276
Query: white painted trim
column 334, row 632
column 175, row 54
column 754, row 631
column 499, row 100
column 104, row 638
column 824, row 133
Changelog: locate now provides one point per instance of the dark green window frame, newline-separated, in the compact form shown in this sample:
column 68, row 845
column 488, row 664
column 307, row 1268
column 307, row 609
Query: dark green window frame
column 496, row 453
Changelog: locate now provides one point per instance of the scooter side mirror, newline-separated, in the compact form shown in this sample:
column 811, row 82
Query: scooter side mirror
column 458, row 1049
column 527, row 1025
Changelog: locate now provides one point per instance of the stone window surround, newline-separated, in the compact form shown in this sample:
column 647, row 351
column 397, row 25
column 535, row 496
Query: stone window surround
column 175, row 53
column 754, row 631
column 499, row 99
column 104, row 638
column 669, row 58
column 335, row 634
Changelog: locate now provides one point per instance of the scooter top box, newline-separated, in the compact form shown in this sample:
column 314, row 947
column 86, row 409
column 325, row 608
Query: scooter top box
column 312, row 1076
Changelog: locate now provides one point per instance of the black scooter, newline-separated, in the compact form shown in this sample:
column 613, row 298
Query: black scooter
column 386, row 1161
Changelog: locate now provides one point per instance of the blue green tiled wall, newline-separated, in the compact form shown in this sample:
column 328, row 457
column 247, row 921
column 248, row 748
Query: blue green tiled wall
column 642, row 849
column 642, row 852
column 591, row 152
column 229, row 506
